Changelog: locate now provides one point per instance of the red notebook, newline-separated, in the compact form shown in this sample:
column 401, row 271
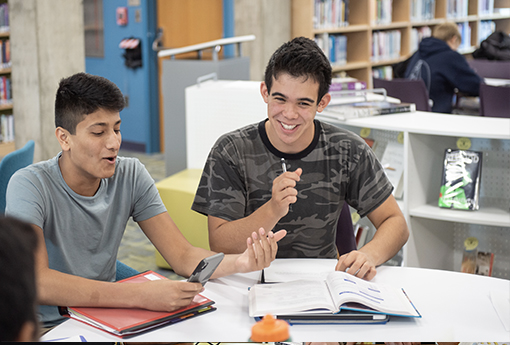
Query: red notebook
column 125, row 322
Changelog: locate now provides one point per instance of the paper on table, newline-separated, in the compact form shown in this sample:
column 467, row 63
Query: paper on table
column 284, row 270
column 501, row 302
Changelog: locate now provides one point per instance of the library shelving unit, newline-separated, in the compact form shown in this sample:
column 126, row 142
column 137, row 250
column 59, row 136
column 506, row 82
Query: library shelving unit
column 5, row 147
column 438, row 234
column 363, row 23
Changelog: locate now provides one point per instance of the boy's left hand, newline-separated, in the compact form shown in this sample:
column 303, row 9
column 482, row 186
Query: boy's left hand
column 260, row 252
column 358, row 264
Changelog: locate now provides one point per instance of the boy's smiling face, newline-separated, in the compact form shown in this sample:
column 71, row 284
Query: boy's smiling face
column 291, row 107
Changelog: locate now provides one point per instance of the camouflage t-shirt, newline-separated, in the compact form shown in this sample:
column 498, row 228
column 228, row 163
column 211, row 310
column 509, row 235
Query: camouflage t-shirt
column 338, row 166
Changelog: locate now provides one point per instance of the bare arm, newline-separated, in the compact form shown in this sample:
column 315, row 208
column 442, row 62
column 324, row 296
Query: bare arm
column 259, row 248
column 61, row 289
column 57, row 288
column 392, row 233
column 230, row 236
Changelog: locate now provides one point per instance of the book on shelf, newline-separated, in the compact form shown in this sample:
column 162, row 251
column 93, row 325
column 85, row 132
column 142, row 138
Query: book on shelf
column 422, row 10
column 460, row 182
column 365, row 109
column 338, row 292
column 484, row 263
column 342, row 84
column 393, row 164
column 386, row 45
column 361, row 235
column 125, row 322
column 330, row 14
column 6, row 128
column 381, row 12
column 334, row 47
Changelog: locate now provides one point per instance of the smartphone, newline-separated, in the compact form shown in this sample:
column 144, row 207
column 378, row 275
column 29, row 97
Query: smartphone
column 205, row 269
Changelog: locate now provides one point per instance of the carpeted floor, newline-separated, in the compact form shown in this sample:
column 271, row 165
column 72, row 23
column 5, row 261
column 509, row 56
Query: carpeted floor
column 135, row 249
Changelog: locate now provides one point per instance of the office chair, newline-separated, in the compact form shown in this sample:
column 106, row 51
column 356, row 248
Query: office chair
column 345, row 240
column 408, row 91
column 490, row 68
column 494, row 101
column 12, row 162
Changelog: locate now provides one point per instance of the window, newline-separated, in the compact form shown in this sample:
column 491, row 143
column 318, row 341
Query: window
column 94, row 31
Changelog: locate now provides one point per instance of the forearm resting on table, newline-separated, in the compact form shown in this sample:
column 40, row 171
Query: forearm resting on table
column 60, row 289
column 391, row 235
column 229, row 237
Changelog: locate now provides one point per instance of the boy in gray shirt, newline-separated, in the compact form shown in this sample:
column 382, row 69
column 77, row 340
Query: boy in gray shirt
column 80, row 201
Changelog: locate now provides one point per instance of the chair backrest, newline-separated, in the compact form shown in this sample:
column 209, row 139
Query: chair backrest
column 345, row 240
column 490, row 68
column 408, row 91
column 12, row 162
column 494, row 101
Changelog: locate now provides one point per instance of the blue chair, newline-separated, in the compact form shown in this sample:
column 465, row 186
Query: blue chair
column 12, row 162
column 124, row 271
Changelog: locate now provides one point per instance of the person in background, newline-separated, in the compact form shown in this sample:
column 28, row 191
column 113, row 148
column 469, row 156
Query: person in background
column 79, row 203
column 294, row 172
column 18, row 321
column 442, row 68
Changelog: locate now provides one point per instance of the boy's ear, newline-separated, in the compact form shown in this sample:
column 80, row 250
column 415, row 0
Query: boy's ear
column 324, row 102
column 264, row 92
column 63, row 138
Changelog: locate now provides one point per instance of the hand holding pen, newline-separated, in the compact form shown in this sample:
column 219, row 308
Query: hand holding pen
column 284, row 192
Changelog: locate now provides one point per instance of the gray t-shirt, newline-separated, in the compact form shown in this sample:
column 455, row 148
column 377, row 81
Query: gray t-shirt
column 338, row 166
column 82, row 234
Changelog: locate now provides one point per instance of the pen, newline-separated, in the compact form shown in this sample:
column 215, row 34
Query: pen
column 284, row 166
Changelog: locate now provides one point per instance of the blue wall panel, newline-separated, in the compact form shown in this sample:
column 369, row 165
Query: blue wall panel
column 140, row 120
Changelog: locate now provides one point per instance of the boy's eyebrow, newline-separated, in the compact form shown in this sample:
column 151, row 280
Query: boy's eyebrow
column 104, row 124
column 274, row 94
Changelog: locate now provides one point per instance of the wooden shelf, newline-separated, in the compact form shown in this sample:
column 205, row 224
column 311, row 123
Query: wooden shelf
column 6, row 107
column 361, row 27
column 6, row 148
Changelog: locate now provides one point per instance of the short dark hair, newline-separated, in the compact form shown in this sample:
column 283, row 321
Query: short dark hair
column 300, row 57
column 82, row 94
column 17, row 275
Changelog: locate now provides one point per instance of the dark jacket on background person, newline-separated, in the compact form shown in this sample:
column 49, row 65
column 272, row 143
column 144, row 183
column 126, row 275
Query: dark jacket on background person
column 443, row 70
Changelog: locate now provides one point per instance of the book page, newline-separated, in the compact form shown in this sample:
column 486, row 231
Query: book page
column 284, row 270
column 289, row 298
column 346, row 288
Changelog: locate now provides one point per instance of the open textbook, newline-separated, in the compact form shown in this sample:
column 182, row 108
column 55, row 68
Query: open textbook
column 339, row 291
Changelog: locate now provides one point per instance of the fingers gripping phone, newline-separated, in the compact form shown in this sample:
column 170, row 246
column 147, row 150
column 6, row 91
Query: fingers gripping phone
column 205, row 269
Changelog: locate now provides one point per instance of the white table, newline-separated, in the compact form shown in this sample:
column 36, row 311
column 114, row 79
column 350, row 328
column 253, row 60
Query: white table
column 454, row 307
column 497, row 81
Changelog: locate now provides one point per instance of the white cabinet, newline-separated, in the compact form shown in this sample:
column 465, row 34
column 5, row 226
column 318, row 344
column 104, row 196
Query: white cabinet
column 437, row 234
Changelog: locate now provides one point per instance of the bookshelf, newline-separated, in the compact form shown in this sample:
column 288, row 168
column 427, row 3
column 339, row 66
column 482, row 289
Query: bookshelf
column 6, row 108
column 437, row 234
column 404, row 17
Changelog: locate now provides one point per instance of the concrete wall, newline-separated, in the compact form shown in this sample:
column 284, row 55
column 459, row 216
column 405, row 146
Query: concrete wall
column 47, row 44
column 270, row 22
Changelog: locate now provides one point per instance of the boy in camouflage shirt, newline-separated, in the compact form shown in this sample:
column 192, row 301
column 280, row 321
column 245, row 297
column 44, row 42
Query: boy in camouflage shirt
column 245, row 186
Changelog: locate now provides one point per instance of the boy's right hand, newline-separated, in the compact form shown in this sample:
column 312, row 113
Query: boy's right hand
column 168, row 295
column 284, row 192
